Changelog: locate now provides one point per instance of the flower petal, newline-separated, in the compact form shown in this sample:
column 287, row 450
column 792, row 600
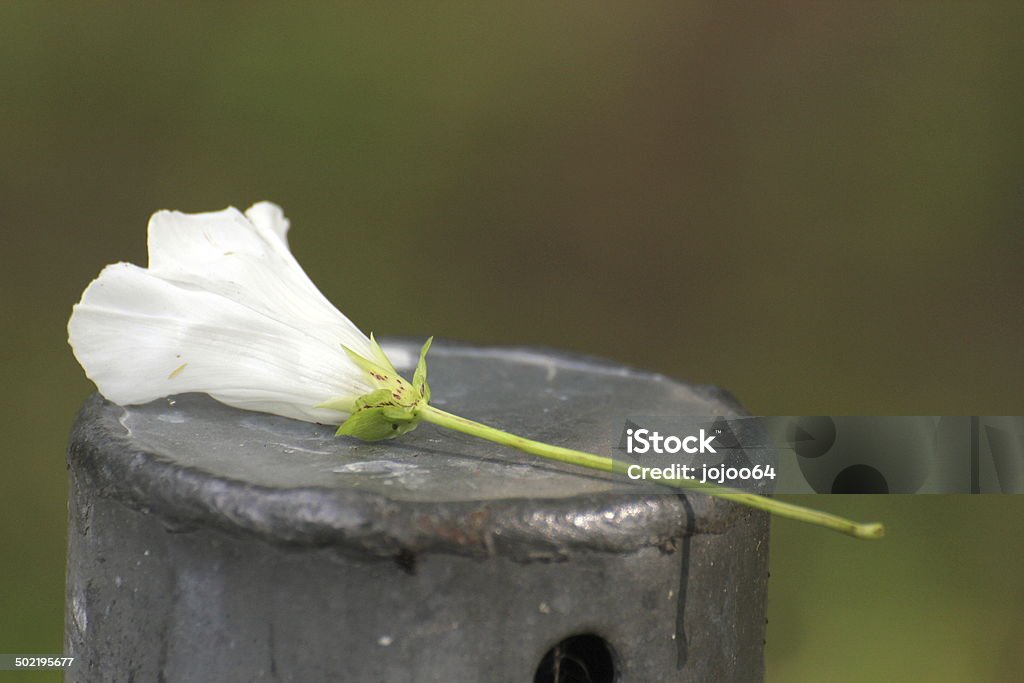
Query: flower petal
column 226, row 253
column 269, row 216
column 140, row 337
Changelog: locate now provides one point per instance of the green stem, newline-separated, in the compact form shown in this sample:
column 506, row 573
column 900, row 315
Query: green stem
column 597, row 462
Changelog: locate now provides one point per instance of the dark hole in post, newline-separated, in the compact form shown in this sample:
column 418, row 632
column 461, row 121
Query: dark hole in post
column 585, row 658
column 860, row 479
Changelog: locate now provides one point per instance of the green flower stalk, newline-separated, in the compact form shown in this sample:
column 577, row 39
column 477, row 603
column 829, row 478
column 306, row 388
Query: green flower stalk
column 398, row 406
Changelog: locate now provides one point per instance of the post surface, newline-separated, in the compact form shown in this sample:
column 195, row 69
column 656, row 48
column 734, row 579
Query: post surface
column 208, row 543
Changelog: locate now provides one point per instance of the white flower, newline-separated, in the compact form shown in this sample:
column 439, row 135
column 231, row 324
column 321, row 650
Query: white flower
column 223, row 308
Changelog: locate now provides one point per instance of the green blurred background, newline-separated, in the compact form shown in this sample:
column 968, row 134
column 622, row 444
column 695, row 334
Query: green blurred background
column 816, row 205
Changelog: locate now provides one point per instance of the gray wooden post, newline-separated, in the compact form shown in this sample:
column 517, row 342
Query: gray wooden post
column 213, row 544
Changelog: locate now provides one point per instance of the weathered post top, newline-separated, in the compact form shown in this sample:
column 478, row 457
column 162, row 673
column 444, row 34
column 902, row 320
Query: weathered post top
column 210, row 543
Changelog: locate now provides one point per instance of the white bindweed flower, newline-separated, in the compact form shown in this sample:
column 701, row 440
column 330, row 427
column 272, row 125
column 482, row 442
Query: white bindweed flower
column 225, row 309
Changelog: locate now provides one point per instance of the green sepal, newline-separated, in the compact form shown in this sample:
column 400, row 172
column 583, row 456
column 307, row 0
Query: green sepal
column 374, row 399
column 341, row 404
column 380, row 357
column 399, row 413
column 419, row 378
column 382, row 376
column 375, row 424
